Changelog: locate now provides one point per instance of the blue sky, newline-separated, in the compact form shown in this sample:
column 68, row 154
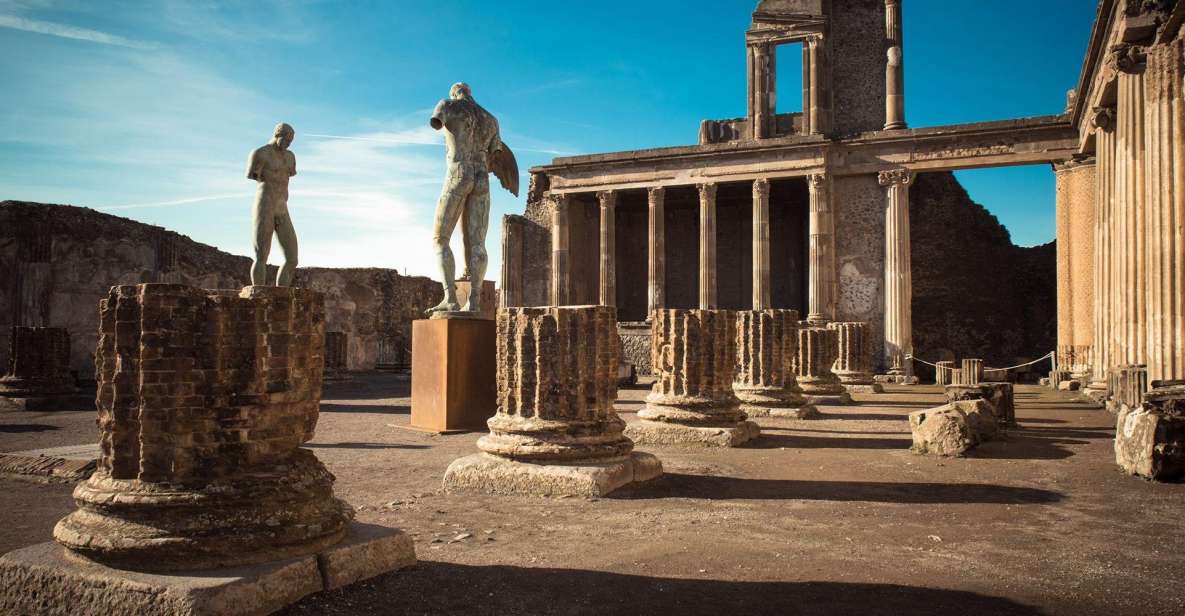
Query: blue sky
column 148, row 109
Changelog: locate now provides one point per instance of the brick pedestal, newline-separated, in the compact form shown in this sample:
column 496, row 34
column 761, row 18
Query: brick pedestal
column 38, row 376
column 692, row 401
column 767, row 343
column 818, row 348
column 853, row 365
column 555, row 431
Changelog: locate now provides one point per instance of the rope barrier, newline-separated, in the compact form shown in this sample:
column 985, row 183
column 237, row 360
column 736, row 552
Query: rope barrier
column 1038, row 360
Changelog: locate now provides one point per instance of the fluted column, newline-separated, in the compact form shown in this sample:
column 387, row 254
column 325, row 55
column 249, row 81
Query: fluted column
column 761, row 285
column 821, row 270
column 818, row 348
column 1103, row 121
column 555, row 431
column 512, row 262
column 767, row 346
column 707, row 246
column 559, row 250
column 894, row 68
column 1129, row 139
column 608, row 278
column 692, row 401
column 657, row 251
column 1165, row 202
column 971, row 372
column 1076, row 195
column 853, row 364
column 944, row 372
column 762, row 90
column 814, row 46
column 898, row 278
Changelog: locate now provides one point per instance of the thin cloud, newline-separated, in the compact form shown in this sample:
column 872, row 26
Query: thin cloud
column 71, row 32
column 435, row 142
column 134, row 206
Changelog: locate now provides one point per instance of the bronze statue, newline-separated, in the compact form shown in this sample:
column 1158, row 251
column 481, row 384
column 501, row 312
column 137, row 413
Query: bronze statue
column 272, row 165
column 474, row 150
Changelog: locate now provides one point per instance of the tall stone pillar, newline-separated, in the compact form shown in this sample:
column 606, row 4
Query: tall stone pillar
column 1076, row 188
column 761, row 91
column 560, row 263
column 818, row 348
column 608, row 202
column 1150, row 440
column 814, row 45
column 761, row 283
column 853, row 365
column 1103, row 121
column 512, row 262
column 1129, row 140
column 821, row 269
column 657, row 251
column 707, row 246
column 898, row 278
column 38, row 376
column 692, row 401
column 894, row 68
column 767, row 346
column 555, row 431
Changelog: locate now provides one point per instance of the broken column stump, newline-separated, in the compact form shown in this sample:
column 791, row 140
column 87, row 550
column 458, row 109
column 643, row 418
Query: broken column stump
column 1000, row 395
column 204, row 400
column 38, row 377
column 818, row 348
column 555, row 431
column 853, row 365
column 765, row 383
column 1150, row 439
column 952, row 429
column 944, row 372
column 971, row 372
column 692, row 401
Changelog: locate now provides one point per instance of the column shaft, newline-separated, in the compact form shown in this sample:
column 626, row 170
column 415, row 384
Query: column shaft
column 761, row 286
column 815, row 124
column 707, row 246
column 894, row 68
column 898, row 278
column 821, row 270
column 1103, row 122
column 657, row 252
column 1129, row 135
column 559, row 250
column 608, row 278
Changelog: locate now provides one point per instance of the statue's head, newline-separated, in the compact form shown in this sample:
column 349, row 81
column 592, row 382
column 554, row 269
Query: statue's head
column 283, row 135
column 460, row 90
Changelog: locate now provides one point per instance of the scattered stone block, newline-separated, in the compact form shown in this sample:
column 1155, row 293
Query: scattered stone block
column 555, row 431
column 952, row 429
column 765, row 383
column 692, row 401
column 818, row 348
column 1150, row 439
column 1001, row 396
column 1069, row 386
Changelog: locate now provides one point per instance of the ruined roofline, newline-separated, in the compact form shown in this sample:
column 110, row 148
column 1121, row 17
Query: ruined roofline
column 1095, row 55
column 1035, row 123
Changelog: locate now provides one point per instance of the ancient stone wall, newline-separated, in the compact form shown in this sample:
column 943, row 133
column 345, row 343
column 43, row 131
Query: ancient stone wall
column 858, row 59
column 58, row 261
column 860, row 257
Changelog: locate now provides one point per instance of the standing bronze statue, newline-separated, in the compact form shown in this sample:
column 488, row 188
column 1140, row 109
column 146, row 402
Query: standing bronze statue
column 272, row 165
column 474, row 150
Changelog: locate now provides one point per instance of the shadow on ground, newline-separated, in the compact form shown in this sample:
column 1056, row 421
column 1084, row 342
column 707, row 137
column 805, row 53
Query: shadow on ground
column 447, row 588
column 16, row 428
column 382, row 409
column 362, row 446
column 675, row 485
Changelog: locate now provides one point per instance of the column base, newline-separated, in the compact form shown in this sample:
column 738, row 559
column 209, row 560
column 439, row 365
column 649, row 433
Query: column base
column 495, row 475
column 757, row 401
column 1150, row 439
column 47, row 579
column 646, row 432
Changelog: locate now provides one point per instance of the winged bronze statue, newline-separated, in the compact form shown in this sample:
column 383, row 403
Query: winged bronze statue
column 474, row 150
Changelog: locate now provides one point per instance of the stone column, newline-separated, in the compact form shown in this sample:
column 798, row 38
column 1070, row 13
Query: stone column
column 1129, row 141
column 853, row 365
column 608, row 278
column 1076, row 187
column 814, row 120
column 762, row 90
column 898, row 277
column 971, row 372
column 555, row 431
column 1103, row 120
column 694, row 360
column 767, row 345
column 512, row 261
column 944, row 373
column 894, row 68
column 657, row 251
column 818, row 348
column 821, row 269
column 707, row 246
column 204, row 400
column 38, row 376
column 560, row 273
column 761, row 285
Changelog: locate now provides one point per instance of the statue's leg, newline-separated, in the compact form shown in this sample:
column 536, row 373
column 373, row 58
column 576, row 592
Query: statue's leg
column 286, row 234
column 476, row 221
column 264, row 226
column 448, row 210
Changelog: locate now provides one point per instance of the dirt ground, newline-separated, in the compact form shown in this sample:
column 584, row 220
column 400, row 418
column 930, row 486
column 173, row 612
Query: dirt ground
column 828, row 516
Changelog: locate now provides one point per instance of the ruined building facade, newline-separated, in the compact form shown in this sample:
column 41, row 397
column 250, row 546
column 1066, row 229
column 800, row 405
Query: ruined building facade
column 811, row 211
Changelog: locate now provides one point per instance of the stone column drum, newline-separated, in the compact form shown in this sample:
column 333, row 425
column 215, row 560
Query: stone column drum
column 38, row 377
column 853, row 366
column 971, row 373
column 767, row 343
column 204, row 399
column 555, row 431
column 694, row 359
column 944, row 373
column 818, row 348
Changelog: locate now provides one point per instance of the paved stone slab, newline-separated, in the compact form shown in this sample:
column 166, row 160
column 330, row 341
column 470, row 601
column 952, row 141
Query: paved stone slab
column 497, row 475
column 367, row 550
column 661, row 433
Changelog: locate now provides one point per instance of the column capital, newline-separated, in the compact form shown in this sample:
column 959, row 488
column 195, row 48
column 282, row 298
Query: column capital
column 817, row 181
column 707, row 190
column 1128, row 58
column 1136, row 8
column 895, row 177
column 1103, row 118
column 607, row 198
column 761, row 188
column 561, row 200
column 656, row 194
